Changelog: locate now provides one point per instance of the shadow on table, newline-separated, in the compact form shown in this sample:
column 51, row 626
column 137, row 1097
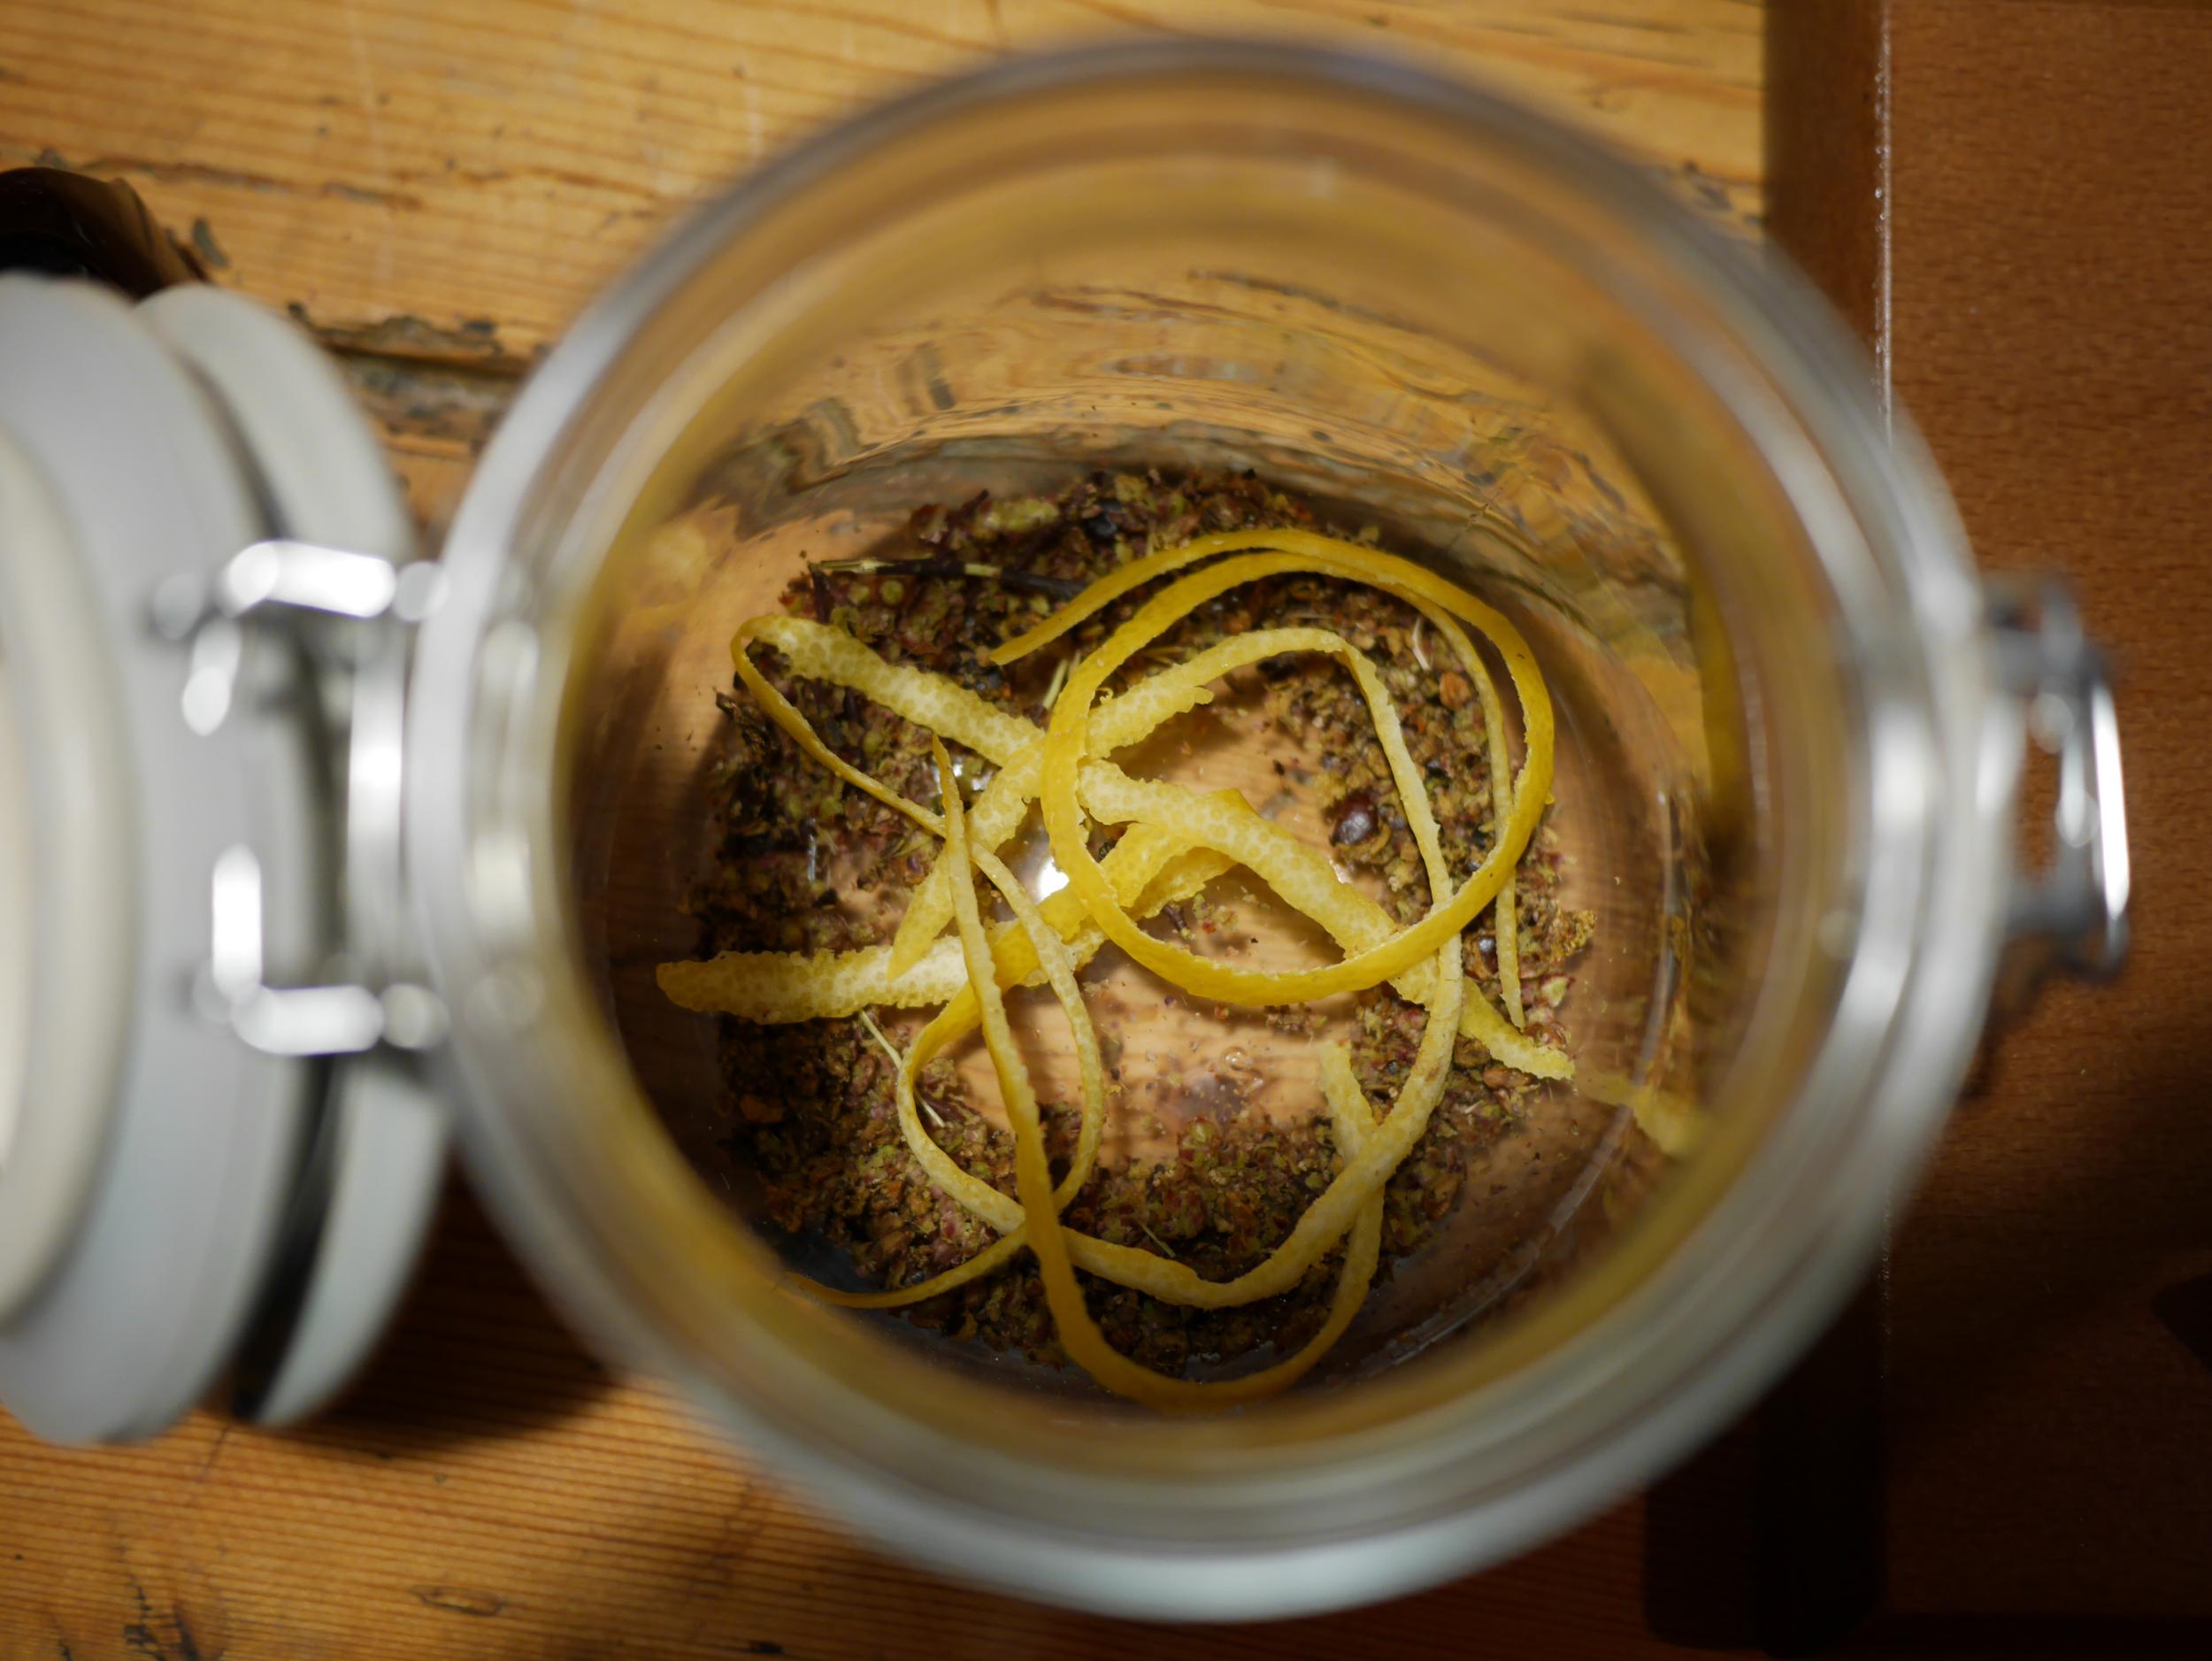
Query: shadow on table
column 2063, row 1189
column 474, row 1352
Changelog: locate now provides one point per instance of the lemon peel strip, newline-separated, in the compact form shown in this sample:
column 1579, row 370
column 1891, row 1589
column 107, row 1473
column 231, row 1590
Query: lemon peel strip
column 1299, row 874
column 1176, row 838
column 773, row 987
column 1079, row 1334
column 1335, row 1210
column 1067, row 738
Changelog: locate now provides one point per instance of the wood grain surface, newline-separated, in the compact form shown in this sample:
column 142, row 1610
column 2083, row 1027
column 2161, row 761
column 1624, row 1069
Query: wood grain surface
column 2040, row 282
column 435, row 189
column 434, row 184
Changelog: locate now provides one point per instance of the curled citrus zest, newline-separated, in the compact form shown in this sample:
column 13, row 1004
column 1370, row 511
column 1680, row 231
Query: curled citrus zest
column 1014, row 956
column 1507, row 928
column 1117, row 724
column 1128, row 719
column 1344, row 1206
column 1126, row 579
column 779, row 987
column 820, row 652
column 955, row 1022
column 1146, row 865
column 1079, row 1334
column 1337, row 1206
column 1675, row 1123
column 776, row 987
column 997, row 813
column 1051, row 954
column 1068, row 740
column 946, row 709
column 1177, row 843
column 1300, row 875
column 780, row 711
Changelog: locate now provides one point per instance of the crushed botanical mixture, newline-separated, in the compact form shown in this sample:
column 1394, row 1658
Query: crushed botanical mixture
column 809, row 864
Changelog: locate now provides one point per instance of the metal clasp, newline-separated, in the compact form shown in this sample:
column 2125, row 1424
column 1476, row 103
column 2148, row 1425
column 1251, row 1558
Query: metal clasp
column 340, row 1019
column 348, row 613
column 278, row 574
column 2072, row 915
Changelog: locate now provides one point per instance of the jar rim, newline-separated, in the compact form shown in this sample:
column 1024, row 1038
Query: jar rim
column 1806, row 1206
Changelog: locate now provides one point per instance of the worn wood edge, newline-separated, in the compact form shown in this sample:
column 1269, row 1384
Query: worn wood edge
column 1826, row 129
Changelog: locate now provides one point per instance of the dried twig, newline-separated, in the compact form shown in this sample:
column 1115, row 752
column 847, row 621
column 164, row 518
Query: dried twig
column 885, row 1044
column 898, row 1062
column 1059, row 681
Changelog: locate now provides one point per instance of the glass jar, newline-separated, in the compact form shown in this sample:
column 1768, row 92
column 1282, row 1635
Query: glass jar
column 1790, row 742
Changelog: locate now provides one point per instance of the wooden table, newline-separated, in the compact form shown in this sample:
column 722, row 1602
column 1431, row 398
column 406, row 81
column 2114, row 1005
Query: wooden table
column 435, row 188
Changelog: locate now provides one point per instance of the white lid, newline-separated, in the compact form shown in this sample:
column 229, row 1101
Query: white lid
column 383, row 1141
column 68, row 881
column 222, row 1201
column 16, row 951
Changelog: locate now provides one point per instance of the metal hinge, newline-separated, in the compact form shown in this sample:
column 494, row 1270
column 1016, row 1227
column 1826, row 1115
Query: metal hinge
column 350, row 613
column 2073, row 913
column 340, row 1019
column 274, row 576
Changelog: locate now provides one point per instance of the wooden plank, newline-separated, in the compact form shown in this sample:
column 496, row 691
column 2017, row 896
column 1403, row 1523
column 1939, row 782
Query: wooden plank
column 2047, row 174
column 437, row 188
column 452, row 182
column 2052, row 288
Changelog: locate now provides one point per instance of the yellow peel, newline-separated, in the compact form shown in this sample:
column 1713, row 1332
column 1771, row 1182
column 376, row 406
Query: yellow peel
column 820, row 652
column 1350, row 1202
column 1125, row 720
column 1286, row 866
column 1300, row 875
column 1507, row 927
column 1334, row 1210
column 779, row 711
column 777, row 986
column 1042, row 1203
column 1068, row 739
column 1079, row 1335
column 1014, row 958
column 1363, row 1176
column 1176, row 838
column 996, row 816
column 1051, row 954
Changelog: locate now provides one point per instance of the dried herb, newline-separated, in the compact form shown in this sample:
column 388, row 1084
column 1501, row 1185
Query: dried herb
column 807, row 864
